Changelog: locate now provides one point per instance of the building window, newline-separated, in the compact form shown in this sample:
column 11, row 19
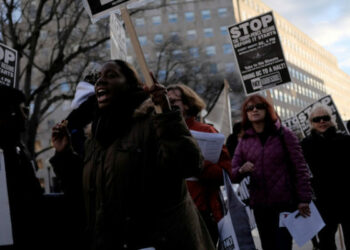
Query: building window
column 206, row 14
column 65, row 87
column 229, row 67
column 161, row 75
column 189, row 16
column 210, row 50
column 174, row 36
column 227, row 48
column 194, row 52
column 143, row 40
column 43, row 34
column 213, row 68
column 158, row 38
column 208, row 32
column 156, row 20
column 139, row 22
column 191, row 34
column 222, row 12
column 172, row 18
column 223, row 30
column 177, row 54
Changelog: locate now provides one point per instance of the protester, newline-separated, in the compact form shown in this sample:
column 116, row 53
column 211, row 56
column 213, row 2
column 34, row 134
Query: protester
column 24, row 191
column 279, row 179
column 233, row 138
column 84, row 107
column 205, row 188
column 134, row 169
column 326, row 152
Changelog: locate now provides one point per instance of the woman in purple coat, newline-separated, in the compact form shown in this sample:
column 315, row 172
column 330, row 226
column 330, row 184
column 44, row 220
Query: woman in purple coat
column 279, row 179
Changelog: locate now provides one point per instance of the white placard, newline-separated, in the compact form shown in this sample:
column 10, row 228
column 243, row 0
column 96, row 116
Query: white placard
column 6, row 237
column 210, row 144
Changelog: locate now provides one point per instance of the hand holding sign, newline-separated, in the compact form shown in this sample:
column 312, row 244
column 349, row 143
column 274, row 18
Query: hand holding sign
column 159, row 94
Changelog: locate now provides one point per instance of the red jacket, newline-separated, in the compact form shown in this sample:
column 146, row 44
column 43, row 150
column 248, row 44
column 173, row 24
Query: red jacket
column 205, row 191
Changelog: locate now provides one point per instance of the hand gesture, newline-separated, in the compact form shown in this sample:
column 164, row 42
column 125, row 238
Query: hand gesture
column 60, row 137
column 304, row 209
column 247, row 167
column 159, row 95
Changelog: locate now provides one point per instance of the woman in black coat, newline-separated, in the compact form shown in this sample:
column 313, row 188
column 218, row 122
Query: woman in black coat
column 327, row 153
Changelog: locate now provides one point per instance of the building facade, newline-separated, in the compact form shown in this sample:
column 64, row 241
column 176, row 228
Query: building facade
column 200, row 25
column 203, row 26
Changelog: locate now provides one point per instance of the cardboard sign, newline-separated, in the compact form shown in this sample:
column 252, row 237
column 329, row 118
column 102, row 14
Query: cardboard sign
column 118, row 38
column 293, row 124
column 101, row 8
column 303, row 116
column 259, row 53
column 5, row 219
column 8, row 66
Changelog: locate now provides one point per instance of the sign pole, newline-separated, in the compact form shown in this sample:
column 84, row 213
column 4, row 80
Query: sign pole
column 138, row 51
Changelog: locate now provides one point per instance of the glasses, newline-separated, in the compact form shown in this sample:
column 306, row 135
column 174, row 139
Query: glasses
column 258, row 106
column 325, row 118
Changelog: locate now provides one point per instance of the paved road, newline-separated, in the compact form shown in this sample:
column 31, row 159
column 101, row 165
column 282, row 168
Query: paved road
column 307, row 246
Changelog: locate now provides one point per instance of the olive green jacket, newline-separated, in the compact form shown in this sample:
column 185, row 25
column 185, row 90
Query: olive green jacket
column 134, row 190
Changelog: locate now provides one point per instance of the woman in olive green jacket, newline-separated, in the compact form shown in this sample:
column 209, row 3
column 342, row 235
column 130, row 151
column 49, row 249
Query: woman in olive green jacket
column 134, row 168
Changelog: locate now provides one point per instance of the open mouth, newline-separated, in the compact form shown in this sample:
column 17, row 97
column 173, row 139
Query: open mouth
column 102, row 95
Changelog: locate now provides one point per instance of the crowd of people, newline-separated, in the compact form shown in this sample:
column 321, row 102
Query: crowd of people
column 134, row 178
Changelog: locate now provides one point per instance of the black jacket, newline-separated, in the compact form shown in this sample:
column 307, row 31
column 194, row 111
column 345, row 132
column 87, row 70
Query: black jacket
column 25, row 196
column 328, row 157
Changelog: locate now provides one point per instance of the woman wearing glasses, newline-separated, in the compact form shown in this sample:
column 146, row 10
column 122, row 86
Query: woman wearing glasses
column 205, row 187
column 279, row 180
column 327, row 153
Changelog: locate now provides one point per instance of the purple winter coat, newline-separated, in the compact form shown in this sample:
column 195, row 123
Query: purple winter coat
column 270, row 183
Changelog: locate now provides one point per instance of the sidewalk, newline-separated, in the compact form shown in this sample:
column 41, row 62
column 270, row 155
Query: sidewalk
column 307, row 246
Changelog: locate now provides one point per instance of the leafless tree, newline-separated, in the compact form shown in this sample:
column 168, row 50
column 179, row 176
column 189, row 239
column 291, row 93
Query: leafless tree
column 177, row 62
column 55, row 41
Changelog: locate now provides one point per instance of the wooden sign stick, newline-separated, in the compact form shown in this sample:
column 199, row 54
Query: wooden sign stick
column 138, row 51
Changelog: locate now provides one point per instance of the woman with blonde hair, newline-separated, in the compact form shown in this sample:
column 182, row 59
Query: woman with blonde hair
column 205, row 187
column 279, row 180
column 326, row 151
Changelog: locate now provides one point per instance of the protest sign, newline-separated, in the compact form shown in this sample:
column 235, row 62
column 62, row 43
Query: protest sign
column 293, row 124
column 8, row 66
column 101, row 8
column 118, row 38
column 303, row 116
column 5, row 219
column 259, row 54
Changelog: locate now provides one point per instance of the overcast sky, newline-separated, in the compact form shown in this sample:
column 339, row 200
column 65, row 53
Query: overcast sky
column 325, row 21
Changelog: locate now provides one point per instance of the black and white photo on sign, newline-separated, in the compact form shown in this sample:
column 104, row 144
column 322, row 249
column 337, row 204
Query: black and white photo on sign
column 8, row 66
column 303, row 116
column 259, row 53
